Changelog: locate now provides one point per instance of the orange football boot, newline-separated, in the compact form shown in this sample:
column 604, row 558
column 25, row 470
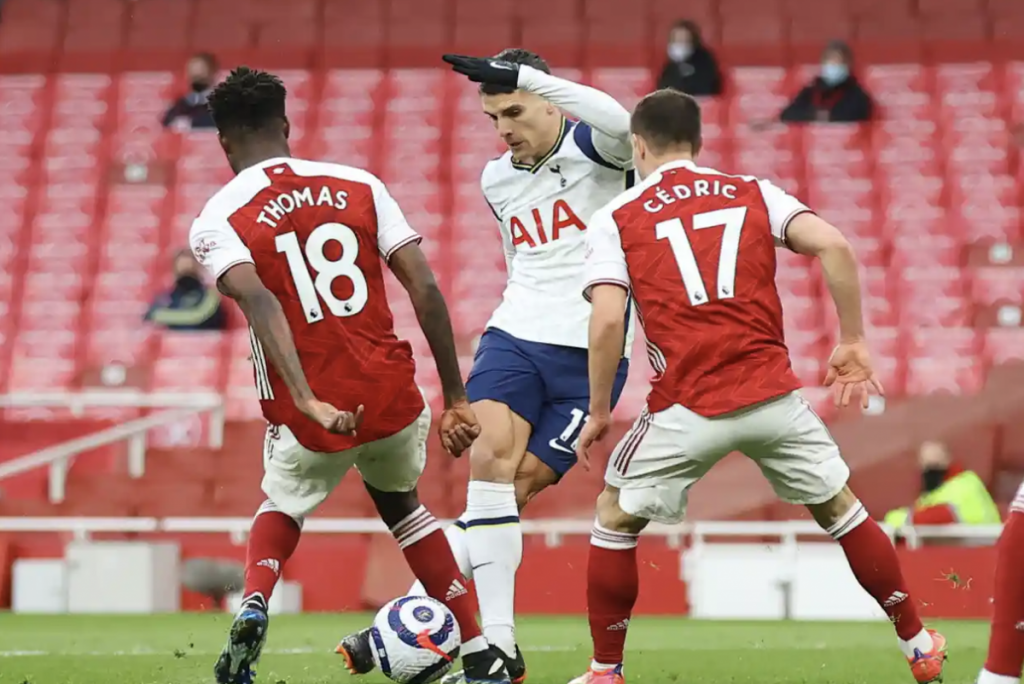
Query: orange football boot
column 927, row 667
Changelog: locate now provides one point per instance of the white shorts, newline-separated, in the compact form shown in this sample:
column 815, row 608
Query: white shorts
column 665, row 453
column 298, row 480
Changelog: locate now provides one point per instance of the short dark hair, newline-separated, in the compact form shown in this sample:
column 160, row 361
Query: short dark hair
column 692, row 28
column 666, row 119
column 209, row 59
column 516, row 56
column 247, row 100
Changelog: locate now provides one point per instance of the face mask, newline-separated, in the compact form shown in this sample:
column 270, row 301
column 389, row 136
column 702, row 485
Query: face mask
column 200, row 85
column 932, row 478
column 834, row 74
column 679, row 52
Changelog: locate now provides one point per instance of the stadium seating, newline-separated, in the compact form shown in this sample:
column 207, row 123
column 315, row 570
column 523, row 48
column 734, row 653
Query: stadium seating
column 98, row 196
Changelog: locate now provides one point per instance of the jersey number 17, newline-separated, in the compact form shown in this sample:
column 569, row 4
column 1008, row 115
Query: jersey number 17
column 311, row 290
column 673, row 231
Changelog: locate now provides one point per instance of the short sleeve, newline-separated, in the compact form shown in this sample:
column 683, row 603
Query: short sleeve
column 217, row 246
column 605, row 260
column 393, row 231
column 782, row 208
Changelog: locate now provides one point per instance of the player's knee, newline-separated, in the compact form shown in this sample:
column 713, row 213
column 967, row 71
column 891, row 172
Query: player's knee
column 394, row 507
column 611, row 516
column 494, row 460
column 830, row 512
column 532, row 477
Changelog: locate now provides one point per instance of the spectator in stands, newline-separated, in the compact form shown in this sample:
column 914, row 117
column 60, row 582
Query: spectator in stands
column 690, row 67
column 949, row 493
column 190, row 304
column 190, row 111
column 834, row 95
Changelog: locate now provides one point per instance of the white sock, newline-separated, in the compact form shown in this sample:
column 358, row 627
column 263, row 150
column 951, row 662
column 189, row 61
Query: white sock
column 456, row 535
column 601, row 667
column 986, row 677
column 474, row 645
column 495, row 543
column 922, row 642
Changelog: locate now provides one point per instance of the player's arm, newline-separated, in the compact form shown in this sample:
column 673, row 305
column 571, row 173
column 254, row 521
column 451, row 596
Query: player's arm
column 222, row 252
column 266, row 317
column 410, row 266
column 607, row 120
column 399, row 246
column 811, row 235
column 795, row 226
column 607, row 288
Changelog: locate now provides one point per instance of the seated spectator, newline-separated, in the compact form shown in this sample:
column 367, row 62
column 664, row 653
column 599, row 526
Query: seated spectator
column 190, row 111
column 834, row 95
column 691, row 67
column 949, row 493
column 191, row 304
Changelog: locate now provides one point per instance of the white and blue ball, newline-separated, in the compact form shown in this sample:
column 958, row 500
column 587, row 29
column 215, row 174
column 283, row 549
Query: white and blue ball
column 415, row 640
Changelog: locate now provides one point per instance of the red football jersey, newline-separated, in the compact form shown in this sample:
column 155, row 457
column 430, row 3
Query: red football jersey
column 696, row 250
column 316, row 233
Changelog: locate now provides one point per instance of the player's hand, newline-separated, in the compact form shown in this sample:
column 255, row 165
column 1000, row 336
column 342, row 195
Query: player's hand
column 458, row 428
column 594, row 430
column 850, row 374
column 485, row 69
column 333, row 420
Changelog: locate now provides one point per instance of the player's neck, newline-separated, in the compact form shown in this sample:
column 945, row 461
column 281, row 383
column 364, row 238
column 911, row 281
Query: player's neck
column 656, row 162
column 258, row 153
column 545, row 148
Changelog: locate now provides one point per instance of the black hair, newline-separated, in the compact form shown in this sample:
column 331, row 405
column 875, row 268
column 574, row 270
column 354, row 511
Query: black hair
column 667, row 119
column 247, row 100
column 209, row 59
column 693, row 29
column 841, row 47
column 516, row 56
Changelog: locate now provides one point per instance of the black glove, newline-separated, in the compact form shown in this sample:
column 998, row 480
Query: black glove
column 485, row 70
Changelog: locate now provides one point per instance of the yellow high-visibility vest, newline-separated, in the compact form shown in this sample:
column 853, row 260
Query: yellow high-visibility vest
column 964, row 493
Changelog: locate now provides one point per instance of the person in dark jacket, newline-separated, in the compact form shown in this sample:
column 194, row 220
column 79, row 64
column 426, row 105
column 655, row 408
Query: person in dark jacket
column 190, row 111
column 834, row 95
column 190, row 304
column 690, row 67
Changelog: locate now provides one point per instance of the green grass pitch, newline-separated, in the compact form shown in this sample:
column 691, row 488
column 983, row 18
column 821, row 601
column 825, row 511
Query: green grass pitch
column 181, row 649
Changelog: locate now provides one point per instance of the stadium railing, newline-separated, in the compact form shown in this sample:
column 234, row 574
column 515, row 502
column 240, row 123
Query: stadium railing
column 58, row 458
column 788, row 533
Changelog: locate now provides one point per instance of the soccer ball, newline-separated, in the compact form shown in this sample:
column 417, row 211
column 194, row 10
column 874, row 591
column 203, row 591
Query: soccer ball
column 415, row 640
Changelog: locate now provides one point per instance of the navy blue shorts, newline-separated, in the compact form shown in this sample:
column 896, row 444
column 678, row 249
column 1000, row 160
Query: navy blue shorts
column 546, row 384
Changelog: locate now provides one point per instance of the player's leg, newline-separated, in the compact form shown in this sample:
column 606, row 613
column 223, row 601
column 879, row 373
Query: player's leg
column 637, row 490
column 532, row 477
column 1006, row 641
column 802, row 461
column 507, row 392
column 390, row 470
column 295, row 481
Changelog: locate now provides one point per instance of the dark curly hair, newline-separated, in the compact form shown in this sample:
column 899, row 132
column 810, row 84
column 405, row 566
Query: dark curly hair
column 247, row 100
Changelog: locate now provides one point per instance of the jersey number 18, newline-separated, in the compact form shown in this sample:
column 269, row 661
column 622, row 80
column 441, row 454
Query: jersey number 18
column 673, row 231
column 326, row 270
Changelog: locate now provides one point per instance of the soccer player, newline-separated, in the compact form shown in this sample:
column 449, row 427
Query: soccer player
column 1006, row 642
column 528, row 384
column 299, row 244
column 695, row 249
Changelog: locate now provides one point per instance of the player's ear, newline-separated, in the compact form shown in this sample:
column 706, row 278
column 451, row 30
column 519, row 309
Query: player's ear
column 639, row 148
column 287, row 128
column 698, row 146
column 225, row 144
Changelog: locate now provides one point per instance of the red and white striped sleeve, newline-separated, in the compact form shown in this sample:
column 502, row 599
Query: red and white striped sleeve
column 605, row 260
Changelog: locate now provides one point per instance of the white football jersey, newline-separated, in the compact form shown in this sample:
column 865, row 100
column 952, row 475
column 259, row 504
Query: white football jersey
column 543, row 211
